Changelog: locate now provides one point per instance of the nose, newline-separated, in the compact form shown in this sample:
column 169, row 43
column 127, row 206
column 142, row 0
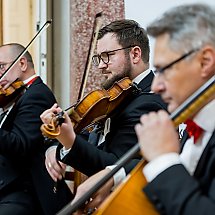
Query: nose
column 102, row 65
column 158, row 85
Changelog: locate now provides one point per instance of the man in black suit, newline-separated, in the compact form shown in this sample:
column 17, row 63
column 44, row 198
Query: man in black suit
column 123, row 51
column 181, row 179
column 25, row 186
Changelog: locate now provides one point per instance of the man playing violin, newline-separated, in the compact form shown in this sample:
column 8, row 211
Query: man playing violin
column 123, row 51
column 181, row 177
column 25, row 186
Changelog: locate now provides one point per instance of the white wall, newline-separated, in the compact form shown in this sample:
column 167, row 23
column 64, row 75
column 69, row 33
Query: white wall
column 145, row 11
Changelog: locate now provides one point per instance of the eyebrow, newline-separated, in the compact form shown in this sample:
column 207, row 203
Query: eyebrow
column 104, row 51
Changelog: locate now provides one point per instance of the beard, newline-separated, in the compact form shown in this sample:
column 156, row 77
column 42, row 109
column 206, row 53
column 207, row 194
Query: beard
column 125, row 72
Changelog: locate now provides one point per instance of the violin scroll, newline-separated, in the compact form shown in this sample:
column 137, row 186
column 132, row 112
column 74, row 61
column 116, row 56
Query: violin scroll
column 11, row 93
column 52, row 130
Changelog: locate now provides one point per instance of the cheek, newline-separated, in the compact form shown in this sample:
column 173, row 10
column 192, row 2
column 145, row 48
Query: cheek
column 117, row 66
column 179, row 90
column 173, row 87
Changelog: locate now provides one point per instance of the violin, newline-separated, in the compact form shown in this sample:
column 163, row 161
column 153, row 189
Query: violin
column 11, row 93
column 131, row 190
column 17, row 87
column 95, row 107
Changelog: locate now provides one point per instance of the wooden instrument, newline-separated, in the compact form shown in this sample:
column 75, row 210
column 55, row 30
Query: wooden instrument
column 128, row 198
column 96, row 106
column 16, row 88
column 11, row 93
column 123, row 200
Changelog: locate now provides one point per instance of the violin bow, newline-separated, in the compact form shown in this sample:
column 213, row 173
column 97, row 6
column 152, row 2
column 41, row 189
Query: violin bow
column 189, row 107
column 94, row 36
column 46, row 25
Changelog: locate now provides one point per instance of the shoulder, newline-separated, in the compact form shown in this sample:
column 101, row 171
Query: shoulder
column 142, row 104
column 149, row 101
column 38, row 92
column 39, row 87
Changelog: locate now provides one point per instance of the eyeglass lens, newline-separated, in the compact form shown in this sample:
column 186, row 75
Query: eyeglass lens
column 104, row 57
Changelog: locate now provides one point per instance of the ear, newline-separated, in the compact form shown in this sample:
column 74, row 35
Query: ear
column 208, row 61
column 136, row 54
column 23, row 64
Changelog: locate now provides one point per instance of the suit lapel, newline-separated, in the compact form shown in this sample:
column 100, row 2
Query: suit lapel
column 145, row 83
column 38, row 80
column 12, row 112
column 204, row 158
column 183, row 140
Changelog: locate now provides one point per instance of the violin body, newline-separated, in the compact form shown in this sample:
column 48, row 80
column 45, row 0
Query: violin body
column 11, row 93
column 95, row 107
column 99, row 104
column 119, row 92
column 128, row 198
column 90, row 110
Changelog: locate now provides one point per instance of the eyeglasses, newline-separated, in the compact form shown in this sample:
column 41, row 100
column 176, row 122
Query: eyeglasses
column 105, row 56
column 3, row 65
column 162, row 70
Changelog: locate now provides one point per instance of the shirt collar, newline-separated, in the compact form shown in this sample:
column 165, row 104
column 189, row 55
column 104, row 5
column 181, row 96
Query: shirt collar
column 206, row 117
column 141, row 76
column 27, row 80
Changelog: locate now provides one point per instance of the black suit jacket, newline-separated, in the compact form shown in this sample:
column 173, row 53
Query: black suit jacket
column 22, row 149
column 175, row 192
column 89, row 159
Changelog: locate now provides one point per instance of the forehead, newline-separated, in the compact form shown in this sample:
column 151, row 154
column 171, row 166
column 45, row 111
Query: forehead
column 163, row 54
column 5, row 54
column 107, row 43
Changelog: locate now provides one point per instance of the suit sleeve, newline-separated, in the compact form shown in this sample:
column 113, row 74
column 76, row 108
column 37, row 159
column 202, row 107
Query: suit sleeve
column 175, row 192
column 90, row 159
column 23, row 136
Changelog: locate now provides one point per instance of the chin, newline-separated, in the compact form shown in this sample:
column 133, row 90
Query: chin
column 171, row 107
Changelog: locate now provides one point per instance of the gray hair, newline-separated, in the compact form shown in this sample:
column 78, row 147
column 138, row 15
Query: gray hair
column 188, row 26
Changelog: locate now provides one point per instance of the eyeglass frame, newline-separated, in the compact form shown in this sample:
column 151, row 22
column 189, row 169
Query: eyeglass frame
column 6, row 63
column 108, row 58
column 162, row 70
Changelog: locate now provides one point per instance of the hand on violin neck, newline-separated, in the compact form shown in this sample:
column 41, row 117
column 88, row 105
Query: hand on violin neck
column 4, row 84
column 47, row 115
column 67, row 133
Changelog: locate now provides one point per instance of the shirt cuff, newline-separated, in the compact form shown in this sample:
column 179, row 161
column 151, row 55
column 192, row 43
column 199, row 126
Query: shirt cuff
column 118, row 176
column 158, row 165
column 64, row 152
column 50, row 149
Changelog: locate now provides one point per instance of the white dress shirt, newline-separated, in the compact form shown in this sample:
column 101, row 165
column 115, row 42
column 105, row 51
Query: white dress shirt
column 191, row 152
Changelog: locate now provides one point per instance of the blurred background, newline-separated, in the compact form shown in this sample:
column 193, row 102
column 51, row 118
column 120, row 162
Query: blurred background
column 60, row 52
